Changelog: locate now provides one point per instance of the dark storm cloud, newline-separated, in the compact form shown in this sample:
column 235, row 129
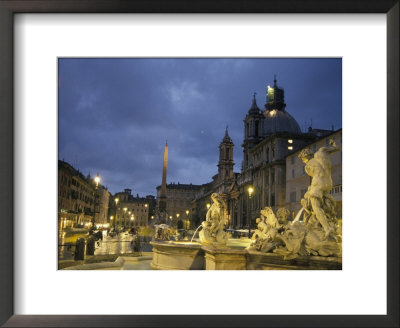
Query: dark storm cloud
column 116, row 114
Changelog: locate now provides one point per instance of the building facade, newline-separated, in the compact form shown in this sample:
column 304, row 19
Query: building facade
column 130, row 211
column 178, row 202
column 272, row 139
column 80, row 202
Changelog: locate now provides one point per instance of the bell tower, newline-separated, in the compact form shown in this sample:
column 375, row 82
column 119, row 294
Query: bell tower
column 225, row 164
column 253, row 133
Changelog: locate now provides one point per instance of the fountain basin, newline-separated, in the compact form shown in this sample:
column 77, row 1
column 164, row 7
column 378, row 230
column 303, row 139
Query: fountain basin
column 234, row 256
column 177, row 256
column 270, row 261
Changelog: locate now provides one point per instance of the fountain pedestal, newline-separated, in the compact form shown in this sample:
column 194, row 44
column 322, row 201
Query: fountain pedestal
column 217, row 258
column 177, row 256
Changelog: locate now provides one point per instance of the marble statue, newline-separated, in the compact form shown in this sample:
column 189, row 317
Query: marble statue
column 213, row 226
column 265, row 238
column 319, row 233
column 317, row 202
column 268, row 215
column 162, row 232
column 262, row 229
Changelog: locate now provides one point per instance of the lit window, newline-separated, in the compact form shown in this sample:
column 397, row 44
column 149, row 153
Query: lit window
column 290, row 141
column 290, row 147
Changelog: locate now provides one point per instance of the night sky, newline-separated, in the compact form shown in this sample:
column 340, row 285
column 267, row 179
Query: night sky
column 116, row 114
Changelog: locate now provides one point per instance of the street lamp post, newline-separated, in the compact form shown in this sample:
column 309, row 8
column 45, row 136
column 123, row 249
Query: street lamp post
column 250, row 191
column 125, row 209
column 116, row 208
column 96, row 180
column 187, row 220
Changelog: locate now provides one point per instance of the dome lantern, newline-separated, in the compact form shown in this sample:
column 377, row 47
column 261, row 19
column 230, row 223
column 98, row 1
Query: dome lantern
column 276, row 118
column 275, row 97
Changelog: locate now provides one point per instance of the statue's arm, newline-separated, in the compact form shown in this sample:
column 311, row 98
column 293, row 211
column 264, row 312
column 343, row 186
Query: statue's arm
column 208, row 215
column 331, row 148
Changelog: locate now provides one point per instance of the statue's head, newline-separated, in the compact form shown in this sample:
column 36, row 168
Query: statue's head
column 216, row 197
column 267, row 211
column 306, row 154
column 282, row 213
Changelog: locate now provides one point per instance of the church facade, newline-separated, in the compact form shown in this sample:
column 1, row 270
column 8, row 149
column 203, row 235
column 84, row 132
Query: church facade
column 271, row 136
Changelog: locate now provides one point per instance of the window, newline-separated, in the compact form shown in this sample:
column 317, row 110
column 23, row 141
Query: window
column 292, row 173
column 293, row 197
column 256, row 128
column 292, row 160
column 272, row 199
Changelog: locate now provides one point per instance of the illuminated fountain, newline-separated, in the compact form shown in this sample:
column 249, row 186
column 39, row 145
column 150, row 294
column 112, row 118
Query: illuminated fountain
column 213, row 250
column 313, row 243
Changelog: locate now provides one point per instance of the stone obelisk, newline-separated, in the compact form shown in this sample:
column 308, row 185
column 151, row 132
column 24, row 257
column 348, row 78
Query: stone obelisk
column 162, row 202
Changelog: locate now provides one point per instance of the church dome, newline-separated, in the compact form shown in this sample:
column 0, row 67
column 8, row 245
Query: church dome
column 279, row 121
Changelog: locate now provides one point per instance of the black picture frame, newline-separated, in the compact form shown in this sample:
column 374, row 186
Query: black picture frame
column 7, row 201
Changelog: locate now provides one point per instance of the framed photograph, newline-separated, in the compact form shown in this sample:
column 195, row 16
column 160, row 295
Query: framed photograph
column 69, row 75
